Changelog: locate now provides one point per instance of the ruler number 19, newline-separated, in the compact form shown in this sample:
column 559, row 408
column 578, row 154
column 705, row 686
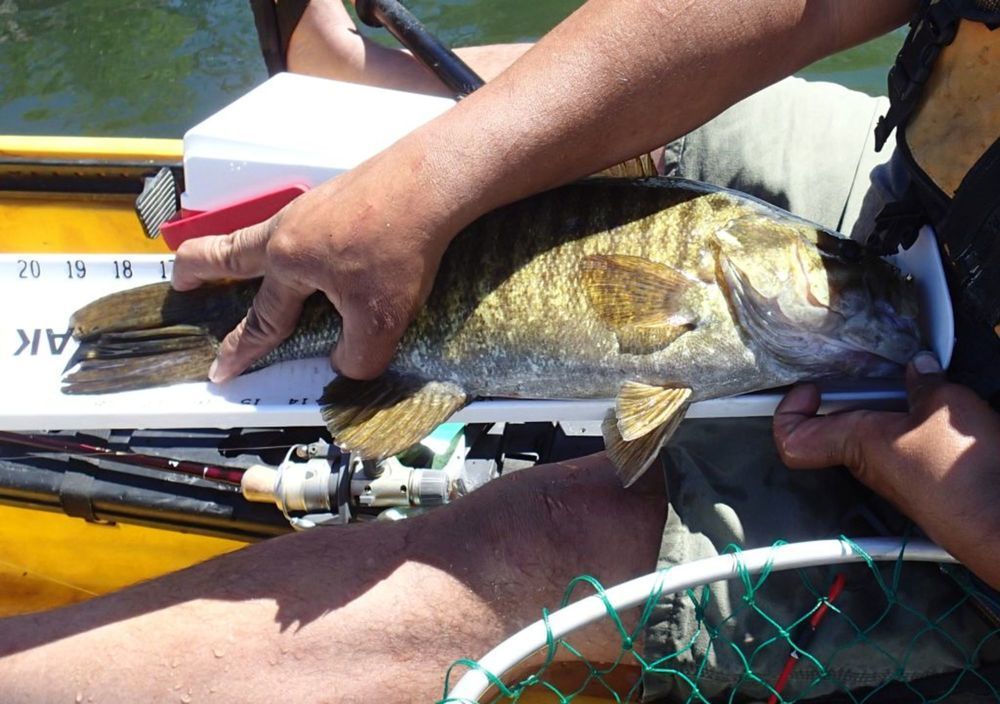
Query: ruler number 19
column 123, row 269
column 76, row 269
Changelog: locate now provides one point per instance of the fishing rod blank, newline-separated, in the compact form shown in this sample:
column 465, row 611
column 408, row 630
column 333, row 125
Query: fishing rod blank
column 226, row 475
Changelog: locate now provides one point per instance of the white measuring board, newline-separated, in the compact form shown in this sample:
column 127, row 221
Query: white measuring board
column 40, row 292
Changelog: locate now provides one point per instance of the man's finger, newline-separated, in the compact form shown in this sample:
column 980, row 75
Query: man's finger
column 239, row 255
column 364, row 351
column 272, row 318
column 806, row 441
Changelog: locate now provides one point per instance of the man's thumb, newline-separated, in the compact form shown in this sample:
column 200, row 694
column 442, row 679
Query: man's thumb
column 923, row 376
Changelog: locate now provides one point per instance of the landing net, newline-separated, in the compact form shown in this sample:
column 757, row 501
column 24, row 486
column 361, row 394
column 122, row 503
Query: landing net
column 903, row 623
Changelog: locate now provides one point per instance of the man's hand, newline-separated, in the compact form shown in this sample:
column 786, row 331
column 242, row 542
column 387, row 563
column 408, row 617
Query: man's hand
column 338, row 238
column 939, row 463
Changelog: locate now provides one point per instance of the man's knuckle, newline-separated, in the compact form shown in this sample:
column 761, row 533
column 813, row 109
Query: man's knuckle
column 284, row 254
column 227, row 254
column 261, row 328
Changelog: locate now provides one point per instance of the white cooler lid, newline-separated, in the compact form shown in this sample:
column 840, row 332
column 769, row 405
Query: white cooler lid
column 294, row 130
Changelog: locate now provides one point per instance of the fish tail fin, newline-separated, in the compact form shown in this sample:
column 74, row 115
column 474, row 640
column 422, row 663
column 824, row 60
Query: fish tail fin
column 382, row 417
column 215, row 307
column 139, row 359
column 151, row 336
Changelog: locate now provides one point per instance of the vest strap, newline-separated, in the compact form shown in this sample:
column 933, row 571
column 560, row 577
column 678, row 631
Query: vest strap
column 932, row 28
column 970, row 234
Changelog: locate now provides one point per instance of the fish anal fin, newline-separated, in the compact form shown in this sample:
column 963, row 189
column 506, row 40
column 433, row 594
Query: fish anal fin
column 633, row 458
column 643, row 302
column 642, row 408
column 382, row 417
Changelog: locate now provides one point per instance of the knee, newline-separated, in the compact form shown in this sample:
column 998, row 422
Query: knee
column 553, row 522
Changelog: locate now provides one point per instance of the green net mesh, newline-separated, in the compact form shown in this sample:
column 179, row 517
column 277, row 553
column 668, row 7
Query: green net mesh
column 870, row 632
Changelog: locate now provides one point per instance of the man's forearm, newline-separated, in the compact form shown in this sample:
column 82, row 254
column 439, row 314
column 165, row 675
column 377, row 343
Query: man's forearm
column 619, row 78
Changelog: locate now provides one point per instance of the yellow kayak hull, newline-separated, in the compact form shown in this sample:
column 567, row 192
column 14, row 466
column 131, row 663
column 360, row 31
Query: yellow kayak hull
column 48, row 559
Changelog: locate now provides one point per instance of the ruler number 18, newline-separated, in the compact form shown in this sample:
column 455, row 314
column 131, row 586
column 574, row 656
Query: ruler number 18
column 123, row 269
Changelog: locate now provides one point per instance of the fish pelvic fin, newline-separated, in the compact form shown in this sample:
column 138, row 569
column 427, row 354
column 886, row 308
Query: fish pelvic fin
column 643, row 420
column 641, row 408
column 139, row 359
column 641, row 301
column 382, row 417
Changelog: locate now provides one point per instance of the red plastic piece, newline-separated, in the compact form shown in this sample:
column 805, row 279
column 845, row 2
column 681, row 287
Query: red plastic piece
column 225, row 220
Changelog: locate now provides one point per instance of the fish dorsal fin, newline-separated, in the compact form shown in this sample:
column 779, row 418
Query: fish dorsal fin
column 632, row 458
column 382, row 417
column 641, row 166
column 641, row 408
column 641, row 301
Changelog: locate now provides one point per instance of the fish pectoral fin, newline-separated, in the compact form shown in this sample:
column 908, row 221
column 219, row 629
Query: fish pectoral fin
column 382, row 417
column 641, row 301
column 632, row 458
column 641, row 408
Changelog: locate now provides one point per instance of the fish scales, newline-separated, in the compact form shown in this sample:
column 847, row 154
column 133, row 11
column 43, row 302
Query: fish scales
column 657, row 292
column 527, row 330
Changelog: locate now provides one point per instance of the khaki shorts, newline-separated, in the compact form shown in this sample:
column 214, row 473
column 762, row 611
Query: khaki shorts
column 806, row 147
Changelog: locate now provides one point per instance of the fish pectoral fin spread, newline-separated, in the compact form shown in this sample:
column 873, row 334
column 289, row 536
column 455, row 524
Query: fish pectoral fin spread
column 382, row 417
column 641, row 301
column 644, row 419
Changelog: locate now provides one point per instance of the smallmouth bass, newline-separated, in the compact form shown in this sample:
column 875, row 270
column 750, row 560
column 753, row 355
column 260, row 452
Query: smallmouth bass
column 657, row 292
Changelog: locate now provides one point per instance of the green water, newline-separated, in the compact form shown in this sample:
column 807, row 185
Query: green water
column 153, row 68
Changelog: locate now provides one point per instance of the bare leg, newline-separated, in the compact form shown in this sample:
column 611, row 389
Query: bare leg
column 326, row 43
column 366, row 613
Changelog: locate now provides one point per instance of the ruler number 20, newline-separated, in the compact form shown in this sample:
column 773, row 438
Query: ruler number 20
column 28, row 269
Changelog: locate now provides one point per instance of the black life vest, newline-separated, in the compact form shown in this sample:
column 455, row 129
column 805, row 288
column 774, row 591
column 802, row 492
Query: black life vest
column 944, row 92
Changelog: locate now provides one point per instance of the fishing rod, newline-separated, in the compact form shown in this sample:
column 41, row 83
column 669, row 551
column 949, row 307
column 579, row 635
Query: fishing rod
column 411, row 33
column 225, row 475
column 315, row 484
